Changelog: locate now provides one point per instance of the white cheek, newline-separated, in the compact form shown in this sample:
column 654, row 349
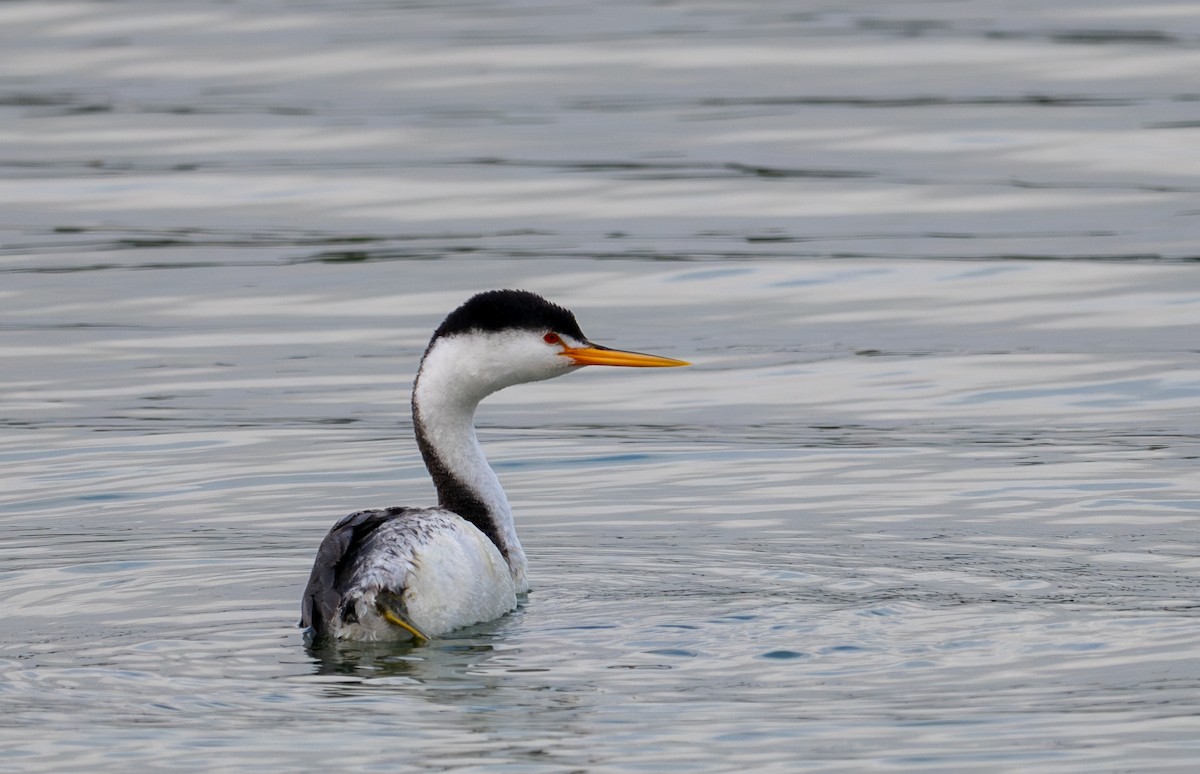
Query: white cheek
column 514, row 358
column 465, row 369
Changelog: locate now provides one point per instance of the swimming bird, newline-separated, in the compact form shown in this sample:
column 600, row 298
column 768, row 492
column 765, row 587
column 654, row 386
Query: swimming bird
column 416, row 573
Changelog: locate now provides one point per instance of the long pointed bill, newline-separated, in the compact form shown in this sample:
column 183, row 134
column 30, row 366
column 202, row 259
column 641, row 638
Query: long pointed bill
column 596, row 355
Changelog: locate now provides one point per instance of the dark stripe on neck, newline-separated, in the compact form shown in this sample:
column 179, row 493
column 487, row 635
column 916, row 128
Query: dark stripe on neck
column 453, row 494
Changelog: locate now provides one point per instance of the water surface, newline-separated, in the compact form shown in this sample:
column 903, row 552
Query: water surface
column 927, row 501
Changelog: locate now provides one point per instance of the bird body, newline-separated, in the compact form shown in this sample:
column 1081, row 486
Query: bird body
column 429, row 568
column 410, row 573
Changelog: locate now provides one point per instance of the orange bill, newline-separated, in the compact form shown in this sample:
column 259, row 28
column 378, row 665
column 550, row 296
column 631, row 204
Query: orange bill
column 597, row 355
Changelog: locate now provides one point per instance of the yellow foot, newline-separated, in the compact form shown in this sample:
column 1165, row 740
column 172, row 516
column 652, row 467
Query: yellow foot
column 386, row 605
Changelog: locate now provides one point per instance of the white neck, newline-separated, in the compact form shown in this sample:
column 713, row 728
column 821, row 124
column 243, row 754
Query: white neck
column 450, row 384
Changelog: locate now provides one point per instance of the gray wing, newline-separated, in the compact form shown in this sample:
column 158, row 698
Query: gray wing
column 326, row 584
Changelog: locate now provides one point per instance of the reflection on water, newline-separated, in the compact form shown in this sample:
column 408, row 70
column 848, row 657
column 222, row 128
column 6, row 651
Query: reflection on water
column 912, row 514
column 928, row 499
column 198, row 134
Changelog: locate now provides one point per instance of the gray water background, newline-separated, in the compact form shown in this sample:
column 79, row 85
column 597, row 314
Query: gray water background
column 928, row 500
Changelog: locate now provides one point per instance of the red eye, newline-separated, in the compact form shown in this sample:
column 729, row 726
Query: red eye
column 552, row 338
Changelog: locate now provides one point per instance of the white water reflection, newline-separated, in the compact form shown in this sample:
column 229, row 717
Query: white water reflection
column 912, row 514
column 690, row 131
column 889, row 513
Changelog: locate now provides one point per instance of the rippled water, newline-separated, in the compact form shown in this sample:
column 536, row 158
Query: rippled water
column 904, row 513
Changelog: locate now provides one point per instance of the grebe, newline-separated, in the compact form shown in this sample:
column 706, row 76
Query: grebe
column 417, row 573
